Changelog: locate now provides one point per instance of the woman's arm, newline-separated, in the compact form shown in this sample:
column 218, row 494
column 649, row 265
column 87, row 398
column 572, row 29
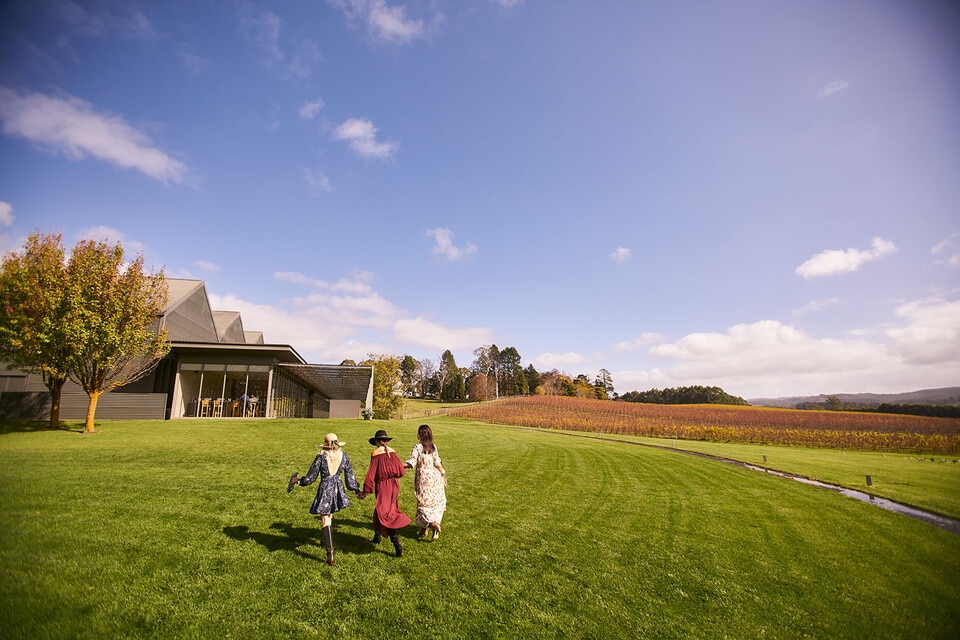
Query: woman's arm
column 348, row 477
column 414, row 455
column 312, row 474
column 369, row 480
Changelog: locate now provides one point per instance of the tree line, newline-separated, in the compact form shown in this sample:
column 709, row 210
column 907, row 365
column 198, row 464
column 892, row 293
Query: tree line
column 833, row 403
column 684, row 395
column 494, row 373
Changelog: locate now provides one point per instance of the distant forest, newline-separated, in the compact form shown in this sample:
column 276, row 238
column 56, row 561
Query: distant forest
column 684, row 395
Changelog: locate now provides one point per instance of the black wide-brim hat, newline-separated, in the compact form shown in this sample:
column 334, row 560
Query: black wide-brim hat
column 381, row 435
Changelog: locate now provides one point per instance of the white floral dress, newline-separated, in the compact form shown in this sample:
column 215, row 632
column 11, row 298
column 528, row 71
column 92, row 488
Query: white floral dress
column 429, row 484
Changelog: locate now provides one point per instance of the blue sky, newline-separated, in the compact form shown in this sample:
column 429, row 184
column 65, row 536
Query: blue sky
column 759, row 195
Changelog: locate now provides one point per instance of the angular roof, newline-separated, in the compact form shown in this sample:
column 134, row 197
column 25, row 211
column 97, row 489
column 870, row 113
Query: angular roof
column 178, row 290
column 229, row 326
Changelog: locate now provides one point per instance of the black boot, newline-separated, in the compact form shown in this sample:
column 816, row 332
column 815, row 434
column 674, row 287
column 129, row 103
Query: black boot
column 328, row 543
column 376, row 537
column 395, row 539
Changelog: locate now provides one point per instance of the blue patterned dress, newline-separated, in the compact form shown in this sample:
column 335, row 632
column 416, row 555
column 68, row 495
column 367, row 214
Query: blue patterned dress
column 330, row 494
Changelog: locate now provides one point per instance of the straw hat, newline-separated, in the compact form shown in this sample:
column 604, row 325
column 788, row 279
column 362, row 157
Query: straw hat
column 330, row 442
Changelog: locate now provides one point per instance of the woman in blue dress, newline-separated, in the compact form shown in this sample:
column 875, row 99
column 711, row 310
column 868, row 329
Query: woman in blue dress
column 329, row 465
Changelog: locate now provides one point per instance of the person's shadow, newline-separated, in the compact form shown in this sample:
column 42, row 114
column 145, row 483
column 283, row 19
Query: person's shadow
column 291, row 538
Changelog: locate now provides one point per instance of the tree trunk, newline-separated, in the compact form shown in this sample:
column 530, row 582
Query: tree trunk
column 91, row 411
column 55, row 385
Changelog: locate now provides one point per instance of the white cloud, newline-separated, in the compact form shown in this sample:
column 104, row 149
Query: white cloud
column 418, row 332
column 645, row 340
column 770, row 359
column 112, row 236
column 330, row 322
column 333, row 321
column 766, row 347
column 358, row 283
column 931, row 333
column 951, row 247
column 508, row 4
column 816, row 305
column 620, row 254
column 102, row 19
column 362, row 134
column 317, row 180
column 6, row 214
column 263, row 30
column 446, row 250
column 71, row 126
column 548, row 361
column 208, row 266
column 10, row 244
column 834, row 261
column 834, row 87
column 310, row 109
column 191, row 61
column 385, row 23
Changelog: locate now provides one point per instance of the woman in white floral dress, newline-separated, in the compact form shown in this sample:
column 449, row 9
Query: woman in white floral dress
column 429, row 482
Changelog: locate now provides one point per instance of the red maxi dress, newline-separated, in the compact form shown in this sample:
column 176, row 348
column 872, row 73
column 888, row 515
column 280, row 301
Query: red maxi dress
column 383, row 479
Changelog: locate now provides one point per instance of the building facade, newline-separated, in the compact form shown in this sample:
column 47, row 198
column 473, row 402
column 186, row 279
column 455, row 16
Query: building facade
column 215, row 369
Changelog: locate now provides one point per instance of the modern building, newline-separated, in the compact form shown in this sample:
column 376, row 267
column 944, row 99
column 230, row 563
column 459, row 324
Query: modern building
column 215, row 369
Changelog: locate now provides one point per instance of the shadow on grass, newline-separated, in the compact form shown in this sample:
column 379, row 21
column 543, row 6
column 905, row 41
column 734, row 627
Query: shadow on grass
column 291, row 538
column 31, row 426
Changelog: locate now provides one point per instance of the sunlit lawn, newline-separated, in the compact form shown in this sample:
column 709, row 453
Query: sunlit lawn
column 927, row 482
column 183, row 529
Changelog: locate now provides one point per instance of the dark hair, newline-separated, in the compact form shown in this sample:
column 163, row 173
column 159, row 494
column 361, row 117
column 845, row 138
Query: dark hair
column 425, row 433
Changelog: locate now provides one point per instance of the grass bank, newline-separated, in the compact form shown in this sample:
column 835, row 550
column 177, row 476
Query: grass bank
column 183, row 529
column 931, row 483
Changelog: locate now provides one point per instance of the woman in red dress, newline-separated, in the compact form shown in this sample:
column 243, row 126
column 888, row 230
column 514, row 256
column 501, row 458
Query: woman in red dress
column 382, row 479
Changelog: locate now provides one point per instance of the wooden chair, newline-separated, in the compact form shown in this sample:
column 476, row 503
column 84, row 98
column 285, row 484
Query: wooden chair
column 218, row 407
column 205, row 407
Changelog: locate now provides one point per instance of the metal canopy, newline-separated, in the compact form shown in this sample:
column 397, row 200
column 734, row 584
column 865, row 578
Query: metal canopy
column 334, row 381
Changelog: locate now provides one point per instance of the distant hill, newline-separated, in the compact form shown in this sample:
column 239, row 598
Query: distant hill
column 946, row 395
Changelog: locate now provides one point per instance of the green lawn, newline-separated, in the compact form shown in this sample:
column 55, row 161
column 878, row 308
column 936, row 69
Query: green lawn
column 927, row 482
column 182, row 529
column 414, row 408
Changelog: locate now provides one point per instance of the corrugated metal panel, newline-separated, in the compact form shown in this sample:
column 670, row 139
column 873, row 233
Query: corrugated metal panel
column 192, row 320
column 115, row 406
column 25, row 406
column 229, row 326
column 15, row 382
